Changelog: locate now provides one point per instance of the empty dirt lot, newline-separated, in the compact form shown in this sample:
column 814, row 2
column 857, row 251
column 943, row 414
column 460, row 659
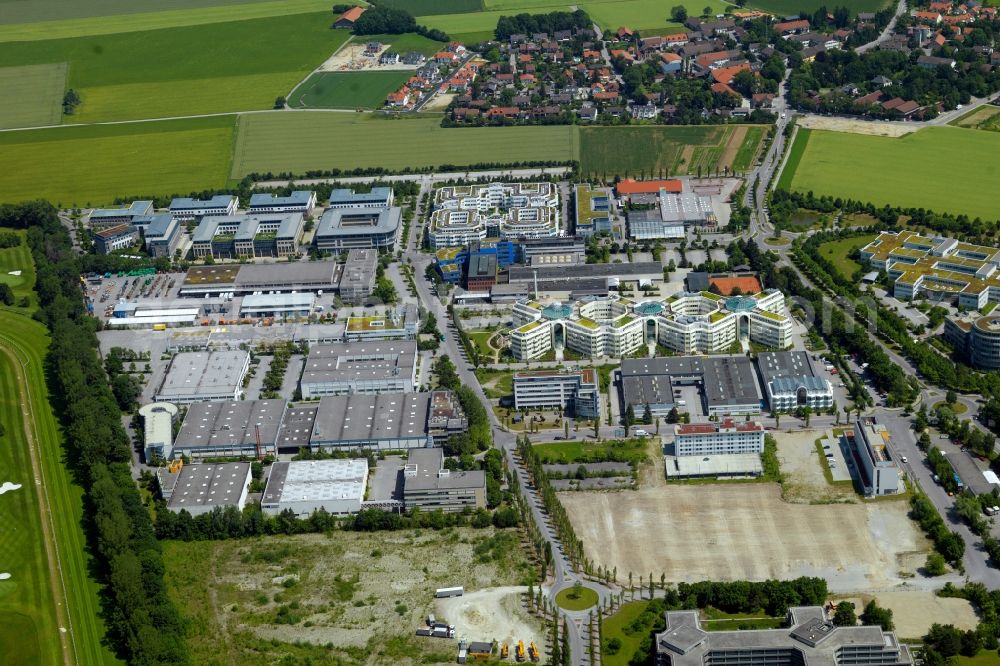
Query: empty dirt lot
column 746, row 531
column 914, row 611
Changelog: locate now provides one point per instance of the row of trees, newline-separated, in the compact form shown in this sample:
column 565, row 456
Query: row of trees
column 479, row 436
column 948, row 543
column 143, row 625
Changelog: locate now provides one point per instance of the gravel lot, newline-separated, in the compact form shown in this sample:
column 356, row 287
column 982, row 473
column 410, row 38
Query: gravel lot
column 493, row 614
column 745, row 531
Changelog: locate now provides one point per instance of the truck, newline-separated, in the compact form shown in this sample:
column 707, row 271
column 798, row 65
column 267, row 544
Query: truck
column 444, row 592
column 159, row 327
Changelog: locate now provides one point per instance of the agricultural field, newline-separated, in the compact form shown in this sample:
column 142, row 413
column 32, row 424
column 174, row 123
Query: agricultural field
column 210, row 68
column 345, row 597
column 347, row 90
column 986, row 117
column 32, row 95
column 12, row 11
column 127, row 21
column 657, row 150
column 31, row 624
column 837, row 252
column 893, row 171
column 434, row 7
column 794, row 7
column 298, row 142
column 98, row 163
column 745, row 531
column 459, row 26
column 644, row 14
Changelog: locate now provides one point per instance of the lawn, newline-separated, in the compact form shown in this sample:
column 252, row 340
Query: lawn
column 98, row 163
column 794, row 7
column 347, row 90
column 895, row 171
column 32, row 95
column 644, row 14
column 657, row 150
column 569, row 600
column 299, row 142
column 127, row 21
column 209, row 68
column 496, row 383
column 615, row 627
column 984, row 658
column 957, row 408
column 580, row 451
column 18, row 259
column 837, row 251
column 29, row 624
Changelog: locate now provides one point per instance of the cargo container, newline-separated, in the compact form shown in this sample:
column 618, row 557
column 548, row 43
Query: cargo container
column 444, row 592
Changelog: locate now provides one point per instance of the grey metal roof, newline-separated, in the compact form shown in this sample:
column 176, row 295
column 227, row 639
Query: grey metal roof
column 247, row 226
column 136, row 208
column 360, row 361
column 297, row 198
column 547, row 273
column 362, row 418
column 379, row 196
column 482, row 265
column 209, row 485
column 726, row 380
column 187, row 203
column 296, row 427
column 429, row 463
column 316, row 480
column 227, row 425
column 358, row 221
column 192, row 374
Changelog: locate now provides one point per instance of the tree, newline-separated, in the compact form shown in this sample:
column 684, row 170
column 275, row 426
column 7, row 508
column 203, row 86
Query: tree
column 629, row 416
column 935, row 565
column 672, row 415
column 6, row 294
column 679, row 13
column 279, row 102
column 875, row 615
column 845, row 616
column 71, row 100
column 951, row 397
column 647, row 415
column 707, row 11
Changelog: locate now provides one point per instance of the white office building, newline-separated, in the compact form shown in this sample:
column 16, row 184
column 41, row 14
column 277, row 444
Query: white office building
column 185, row 209
column 510, row 211
column 879, row 472
column 725, row 437
column 576, row 392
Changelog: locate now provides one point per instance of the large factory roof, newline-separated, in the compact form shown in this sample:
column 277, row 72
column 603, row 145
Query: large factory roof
column 228, row 425
column 316, row 480
column 727, row 380
column 624, row 271
column 358, row 361
column 209, row 485
column 371, row 417
column 194, row 374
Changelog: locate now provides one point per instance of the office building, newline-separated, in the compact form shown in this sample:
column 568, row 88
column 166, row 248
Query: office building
column 381, row 422
column 976, row 339
column 593, row 210
column 574, row 392
column 379, row 197
column 809, row 639
column 870, row 447
column 306, row 486
column 158, row 430
column 398, row 323
column 446, row 417
column 725, row 437
column 351, row 228
column 247, row 428
column 162, row 235
column 687, row 323
column 938, row 268
column 255, row 235
column 427, row 485
column 357, row 281
column 186, row 209
column 195, row 376
column 559, row 251
column 101, row 218
column 360, row 368
column 300, row 201
column 726, row 385
column 509, row 211
column 201, row 489
column 791, row 383
column 112, row 239
column 482, row 272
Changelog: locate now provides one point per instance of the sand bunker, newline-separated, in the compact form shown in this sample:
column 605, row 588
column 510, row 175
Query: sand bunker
column 8, row 486
column 4, row 576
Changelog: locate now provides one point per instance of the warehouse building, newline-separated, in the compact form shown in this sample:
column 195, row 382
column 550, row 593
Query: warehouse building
column 306, row 486
column 810, row 638
column 101, row 218
column 870, row 448
column 558, row 251
column 575, row 392
column 357, row 282
column 398, row 323
column 186, row 209
column 360, row 368
column 300, row 201
column 197, row 376
column 721, row 466
column 342, row 229
column 379, row 197
column 726, row 437
column 790, row 382
column 727, row 385
column 158, row 430
column 256, row 235
column 382, row 422
column 278, row 306
column 201, row 489
column 248, row 428
column 427, row 485
column 644, row 272
column 315, row 276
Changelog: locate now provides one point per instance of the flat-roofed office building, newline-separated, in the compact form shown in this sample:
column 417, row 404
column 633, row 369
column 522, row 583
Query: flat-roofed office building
column 358, row 228
column 576, row 392
column 879, row 472
column 357, row 282
column 377, row 366
column 382, row 422
column 791, row 382
column 726, row 437
column 429, row 486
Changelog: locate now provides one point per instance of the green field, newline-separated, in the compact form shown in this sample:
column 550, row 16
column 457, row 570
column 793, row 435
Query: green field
column 897, row 172
column 97, row 163
column 644, row 14
column 13, row 31
column 529, row 6
column 32, row 95
column 29, row 626
column 837, row 251
column 984, row 658
column 615, row 627
column 347, row 90
column 198, row 69
column 18, row 11
column 657, row 150
column 794, row 7
column 433, row 7
column 581, row 451
column 454, row 24
column 409, row 41
column 18, row 259
column 298, row 142
column 586, row 599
